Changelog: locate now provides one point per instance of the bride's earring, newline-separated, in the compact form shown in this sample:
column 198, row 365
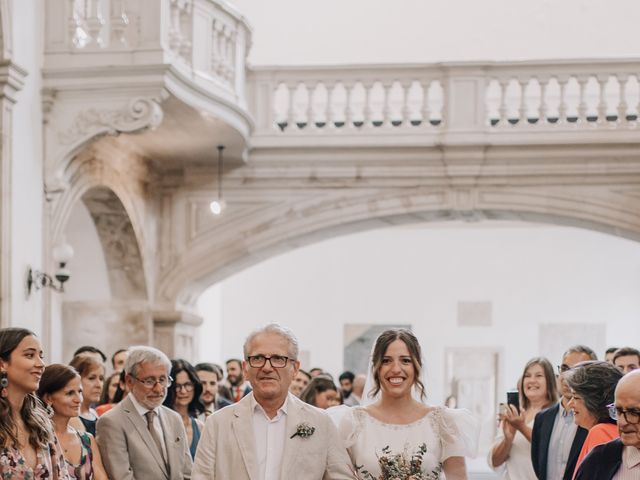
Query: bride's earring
column 4, row 383
column 49, row 410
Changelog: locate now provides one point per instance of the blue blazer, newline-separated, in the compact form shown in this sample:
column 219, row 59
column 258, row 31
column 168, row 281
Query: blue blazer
column 602, row 463
column 540, row 438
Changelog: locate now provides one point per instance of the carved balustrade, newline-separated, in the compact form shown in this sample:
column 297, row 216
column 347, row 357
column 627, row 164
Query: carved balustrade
column 448, row 98
column 207, row 40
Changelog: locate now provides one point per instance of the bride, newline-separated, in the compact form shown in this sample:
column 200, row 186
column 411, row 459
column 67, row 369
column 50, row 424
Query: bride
column 396, row 420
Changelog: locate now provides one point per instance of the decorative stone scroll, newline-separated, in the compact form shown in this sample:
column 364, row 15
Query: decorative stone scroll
column 140, row 114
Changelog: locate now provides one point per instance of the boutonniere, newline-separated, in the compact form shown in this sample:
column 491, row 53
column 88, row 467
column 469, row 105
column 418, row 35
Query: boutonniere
column 303, row 430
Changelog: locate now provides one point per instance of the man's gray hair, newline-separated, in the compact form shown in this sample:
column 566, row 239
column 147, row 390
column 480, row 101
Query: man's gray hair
column 581, row 349
column 278, row 330
column 143, row 353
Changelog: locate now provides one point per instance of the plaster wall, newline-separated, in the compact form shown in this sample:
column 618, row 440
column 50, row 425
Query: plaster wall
column 90, row 281
column 27, row 192
column 537, row 278
column 295, row 32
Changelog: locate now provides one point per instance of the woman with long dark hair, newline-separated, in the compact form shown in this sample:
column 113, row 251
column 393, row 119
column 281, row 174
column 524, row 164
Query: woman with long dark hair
column 396, row 421
column 183, row 396
column 28, row 448
column 61, row 390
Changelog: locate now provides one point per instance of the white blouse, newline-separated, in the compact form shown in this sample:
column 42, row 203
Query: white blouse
column 445, row 432
column 518, row 465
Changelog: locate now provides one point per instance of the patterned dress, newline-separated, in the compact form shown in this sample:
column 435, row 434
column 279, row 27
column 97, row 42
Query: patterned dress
column 50, row 465
column 84, row 469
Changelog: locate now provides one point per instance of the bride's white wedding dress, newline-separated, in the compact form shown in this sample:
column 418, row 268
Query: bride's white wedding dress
column 446, row 433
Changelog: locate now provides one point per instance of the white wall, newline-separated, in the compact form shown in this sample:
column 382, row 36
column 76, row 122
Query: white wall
column 27, row 192
column 372, row 31
column 89, row 281
column 532, row 274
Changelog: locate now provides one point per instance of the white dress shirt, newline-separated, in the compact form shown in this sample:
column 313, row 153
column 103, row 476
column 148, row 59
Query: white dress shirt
column 269, row 434
column 157, row 426
column 562, row 435
column 630, row 468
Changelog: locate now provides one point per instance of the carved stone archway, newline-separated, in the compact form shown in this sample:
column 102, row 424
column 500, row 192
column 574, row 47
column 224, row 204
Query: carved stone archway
column 114, row 185
column 268, row 214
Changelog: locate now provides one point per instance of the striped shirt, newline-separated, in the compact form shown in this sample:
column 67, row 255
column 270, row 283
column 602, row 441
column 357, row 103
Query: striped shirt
column 630, row 468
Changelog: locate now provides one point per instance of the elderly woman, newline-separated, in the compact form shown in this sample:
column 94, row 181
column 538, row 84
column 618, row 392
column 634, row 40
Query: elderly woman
column 511, row 451
column 593, row 385
column 92, row 375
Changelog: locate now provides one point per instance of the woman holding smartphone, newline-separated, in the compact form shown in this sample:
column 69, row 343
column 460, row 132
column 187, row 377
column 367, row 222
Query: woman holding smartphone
column 511, row 452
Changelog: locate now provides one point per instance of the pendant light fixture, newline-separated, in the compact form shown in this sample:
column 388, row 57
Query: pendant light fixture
column 218, row 204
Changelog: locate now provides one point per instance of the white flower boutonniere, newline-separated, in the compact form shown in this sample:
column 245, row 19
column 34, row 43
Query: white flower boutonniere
column 303, row 430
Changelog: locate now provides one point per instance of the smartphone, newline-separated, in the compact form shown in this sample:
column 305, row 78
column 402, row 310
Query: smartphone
column 513, row 398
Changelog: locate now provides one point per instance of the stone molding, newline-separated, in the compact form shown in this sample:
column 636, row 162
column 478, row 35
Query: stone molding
column 258, row 225
column 141, row 113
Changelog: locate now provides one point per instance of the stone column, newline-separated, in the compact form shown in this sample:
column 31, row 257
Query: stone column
column 11, row 81
column 174, row 333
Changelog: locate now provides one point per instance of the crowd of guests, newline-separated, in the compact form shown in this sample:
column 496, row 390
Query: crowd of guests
column 562, row 417
column 145, row 419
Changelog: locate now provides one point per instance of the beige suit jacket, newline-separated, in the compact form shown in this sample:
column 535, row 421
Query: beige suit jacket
column 129, row 452
column 227, row 448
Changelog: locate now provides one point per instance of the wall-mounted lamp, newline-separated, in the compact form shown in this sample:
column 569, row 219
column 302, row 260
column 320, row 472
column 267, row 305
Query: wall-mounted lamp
column 218, row 204
column 36, row 279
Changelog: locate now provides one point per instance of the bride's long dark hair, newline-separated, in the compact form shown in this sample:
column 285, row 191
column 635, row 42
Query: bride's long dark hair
column 385, row 339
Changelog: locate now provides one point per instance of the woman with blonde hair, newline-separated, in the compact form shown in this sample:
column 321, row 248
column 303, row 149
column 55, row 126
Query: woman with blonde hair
column 511, row 452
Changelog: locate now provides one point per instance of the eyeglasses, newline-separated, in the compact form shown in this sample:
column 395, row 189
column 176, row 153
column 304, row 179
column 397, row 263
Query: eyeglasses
column 631, row 416
column 276, row 361
column 563, row 368
column 188, row 387
column 151, row 382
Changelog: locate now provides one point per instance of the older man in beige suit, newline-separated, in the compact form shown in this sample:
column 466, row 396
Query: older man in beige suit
column 139, row 438
column 270, row 434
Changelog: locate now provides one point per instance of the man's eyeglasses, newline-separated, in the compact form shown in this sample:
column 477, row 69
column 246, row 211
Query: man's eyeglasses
column 276, row 361
column 631, row 416
column 563, row 368
column 151, row 381
column 188, row 387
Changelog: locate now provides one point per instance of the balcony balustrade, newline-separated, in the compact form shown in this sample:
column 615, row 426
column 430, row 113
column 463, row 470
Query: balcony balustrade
column 204, row 40
column 459, row 99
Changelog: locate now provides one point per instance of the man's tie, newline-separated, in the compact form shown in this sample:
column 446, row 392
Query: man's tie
column 150, row 416
column 238, row 394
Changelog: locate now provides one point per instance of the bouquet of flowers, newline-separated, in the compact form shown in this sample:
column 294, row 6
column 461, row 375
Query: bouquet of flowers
column 401, row 466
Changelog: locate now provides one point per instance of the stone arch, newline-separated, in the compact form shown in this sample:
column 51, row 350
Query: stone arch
column 95, row 181
column 261, row 230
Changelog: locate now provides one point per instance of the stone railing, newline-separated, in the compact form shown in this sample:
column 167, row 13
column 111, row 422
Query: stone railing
column 447, row 98
column 206, row 40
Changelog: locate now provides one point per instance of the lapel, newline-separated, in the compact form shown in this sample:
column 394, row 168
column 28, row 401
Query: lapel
column 242, row 427
column 295, row 416
column 576, row 446
column 140, row 425
column 545, row 436
column 170, row 440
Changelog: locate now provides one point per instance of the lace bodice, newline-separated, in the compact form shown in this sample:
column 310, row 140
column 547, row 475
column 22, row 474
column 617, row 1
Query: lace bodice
column 445, row 432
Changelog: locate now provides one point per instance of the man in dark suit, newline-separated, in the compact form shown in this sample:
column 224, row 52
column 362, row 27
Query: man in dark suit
column 555, row 439
column 620, row 458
